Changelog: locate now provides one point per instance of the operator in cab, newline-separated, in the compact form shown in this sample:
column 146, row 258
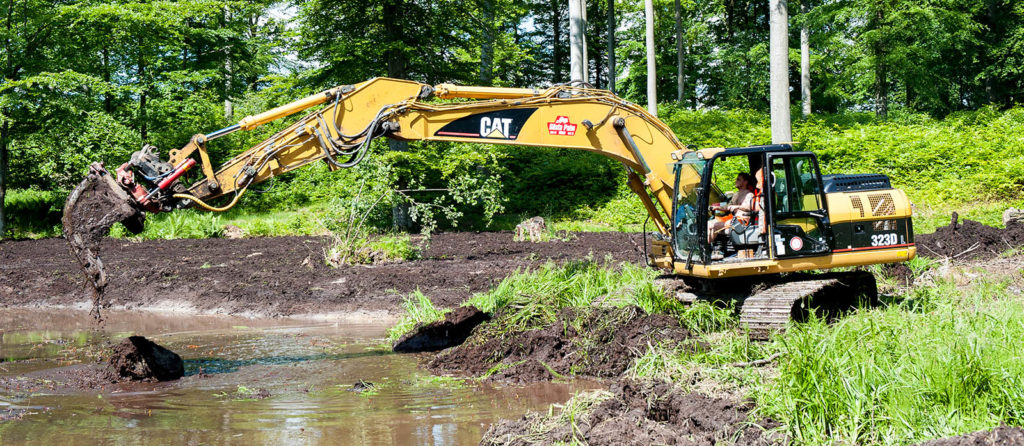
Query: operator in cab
column 739, row 208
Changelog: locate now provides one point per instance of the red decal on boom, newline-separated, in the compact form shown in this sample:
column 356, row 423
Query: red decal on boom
column 561, row 127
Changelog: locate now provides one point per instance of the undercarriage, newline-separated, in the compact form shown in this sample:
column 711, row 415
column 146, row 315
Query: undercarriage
column 767, row 304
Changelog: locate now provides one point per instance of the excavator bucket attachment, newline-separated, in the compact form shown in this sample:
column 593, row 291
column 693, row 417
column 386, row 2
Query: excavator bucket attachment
column 91, row 210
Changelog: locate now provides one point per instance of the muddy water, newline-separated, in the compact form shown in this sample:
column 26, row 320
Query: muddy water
column 307, row 368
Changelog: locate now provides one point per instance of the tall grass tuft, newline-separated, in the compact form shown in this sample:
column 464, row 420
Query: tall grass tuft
column 948, row 362
column 418, row 310
column 533, row 297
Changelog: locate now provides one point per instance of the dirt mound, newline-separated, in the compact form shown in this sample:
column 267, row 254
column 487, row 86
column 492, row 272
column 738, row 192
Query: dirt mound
column 597, row 342
column 139, row 359
column 449, row 332
column 1003, row 435
column 970, row 240
column 281, row 276
column 639, row 413
column 91, row 210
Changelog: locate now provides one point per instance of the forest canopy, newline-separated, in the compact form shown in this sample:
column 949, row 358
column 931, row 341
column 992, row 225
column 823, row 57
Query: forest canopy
column 95, row 80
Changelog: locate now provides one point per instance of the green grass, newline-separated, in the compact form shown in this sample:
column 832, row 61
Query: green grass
column 353, row 248
column 33, row 213
column 934, row 361
column 417, row 309
column 947, row 362
column 532, row 298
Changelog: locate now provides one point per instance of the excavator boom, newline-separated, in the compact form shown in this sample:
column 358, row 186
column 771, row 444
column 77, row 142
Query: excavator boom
column 801, row 220
column 340, row 132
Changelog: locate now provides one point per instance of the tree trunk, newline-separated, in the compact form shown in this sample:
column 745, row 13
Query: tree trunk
column 108, row 105
column 393, row 22
column 805, row 59
column 577, row 42
column 778, row 45
column 652, row 75
column 881, row 72
column 4, row 138
column 487, row 44
column 558, row 52
column 680, row 72
column 229, row 107
column 694, row 97
column 611, row 46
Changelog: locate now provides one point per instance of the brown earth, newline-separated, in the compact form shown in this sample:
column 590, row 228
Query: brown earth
column 77, row 378
column 439, row 335
column 643, row 413
column 970, row 240
column 1003, row 435
column 138, row 359
column 281, row 276
column 593, row 342
column 90, row 211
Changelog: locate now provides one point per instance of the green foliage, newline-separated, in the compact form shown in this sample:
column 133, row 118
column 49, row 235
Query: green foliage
column 532, row 298
column 187, row 223
column 891, row 376
column 417, row 309
column 33, row 213
column 361, row 248
column 971, row 161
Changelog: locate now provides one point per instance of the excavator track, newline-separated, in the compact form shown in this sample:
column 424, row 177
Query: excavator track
column 768, row 305
column 769, row 310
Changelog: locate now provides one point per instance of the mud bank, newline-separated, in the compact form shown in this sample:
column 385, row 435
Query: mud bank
column 586, row 342
column 281, row 276
column 970, row 240
column 642, row 413
column 1003, row 435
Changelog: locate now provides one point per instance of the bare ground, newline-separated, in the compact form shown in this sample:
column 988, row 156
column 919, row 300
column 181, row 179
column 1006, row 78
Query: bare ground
column 643, row 413
column 282, row 276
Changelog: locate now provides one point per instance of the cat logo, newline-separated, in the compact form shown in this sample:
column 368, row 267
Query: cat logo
column 494, row 127
column 499, row 124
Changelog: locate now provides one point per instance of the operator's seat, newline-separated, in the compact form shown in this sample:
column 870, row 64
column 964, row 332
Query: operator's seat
column 749, row 237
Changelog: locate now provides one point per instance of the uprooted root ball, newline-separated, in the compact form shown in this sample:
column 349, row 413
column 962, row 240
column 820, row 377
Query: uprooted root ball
column 597, row 342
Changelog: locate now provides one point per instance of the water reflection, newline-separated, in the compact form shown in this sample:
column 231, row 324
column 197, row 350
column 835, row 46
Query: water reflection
column 307, row 369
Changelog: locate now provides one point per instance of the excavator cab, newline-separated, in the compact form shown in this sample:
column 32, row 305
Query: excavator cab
column 789, row 218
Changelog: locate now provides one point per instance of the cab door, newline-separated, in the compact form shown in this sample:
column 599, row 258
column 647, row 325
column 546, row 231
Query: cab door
column 798, row 212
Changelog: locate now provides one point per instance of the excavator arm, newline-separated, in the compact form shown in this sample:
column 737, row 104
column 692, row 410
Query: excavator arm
column 340, row 133
column 805, row 221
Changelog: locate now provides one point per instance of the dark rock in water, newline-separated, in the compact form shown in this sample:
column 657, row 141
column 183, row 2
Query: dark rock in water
column 139, row 359
column 452, row 331
column 261, row 394
column 361, row 386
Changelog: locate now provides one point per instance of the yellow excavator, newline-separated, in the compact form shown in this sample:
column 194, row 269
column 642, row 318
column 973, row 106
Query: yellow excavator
column 801, row 221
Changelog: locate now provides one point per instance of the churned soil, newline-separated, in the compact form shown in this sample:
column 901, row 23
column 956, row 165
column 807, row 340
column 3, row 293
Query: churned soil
column 592, row 342
column 971, row 240
column 91, row 209
column 134, row 360
column 453, row 330
column 281, row 276
column 139, row 359
column 1003, row 435
column 644, row 413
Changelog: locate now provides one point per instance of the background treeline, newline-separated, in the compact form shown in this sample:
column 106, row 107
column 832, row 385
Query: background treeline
column 94, row 80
